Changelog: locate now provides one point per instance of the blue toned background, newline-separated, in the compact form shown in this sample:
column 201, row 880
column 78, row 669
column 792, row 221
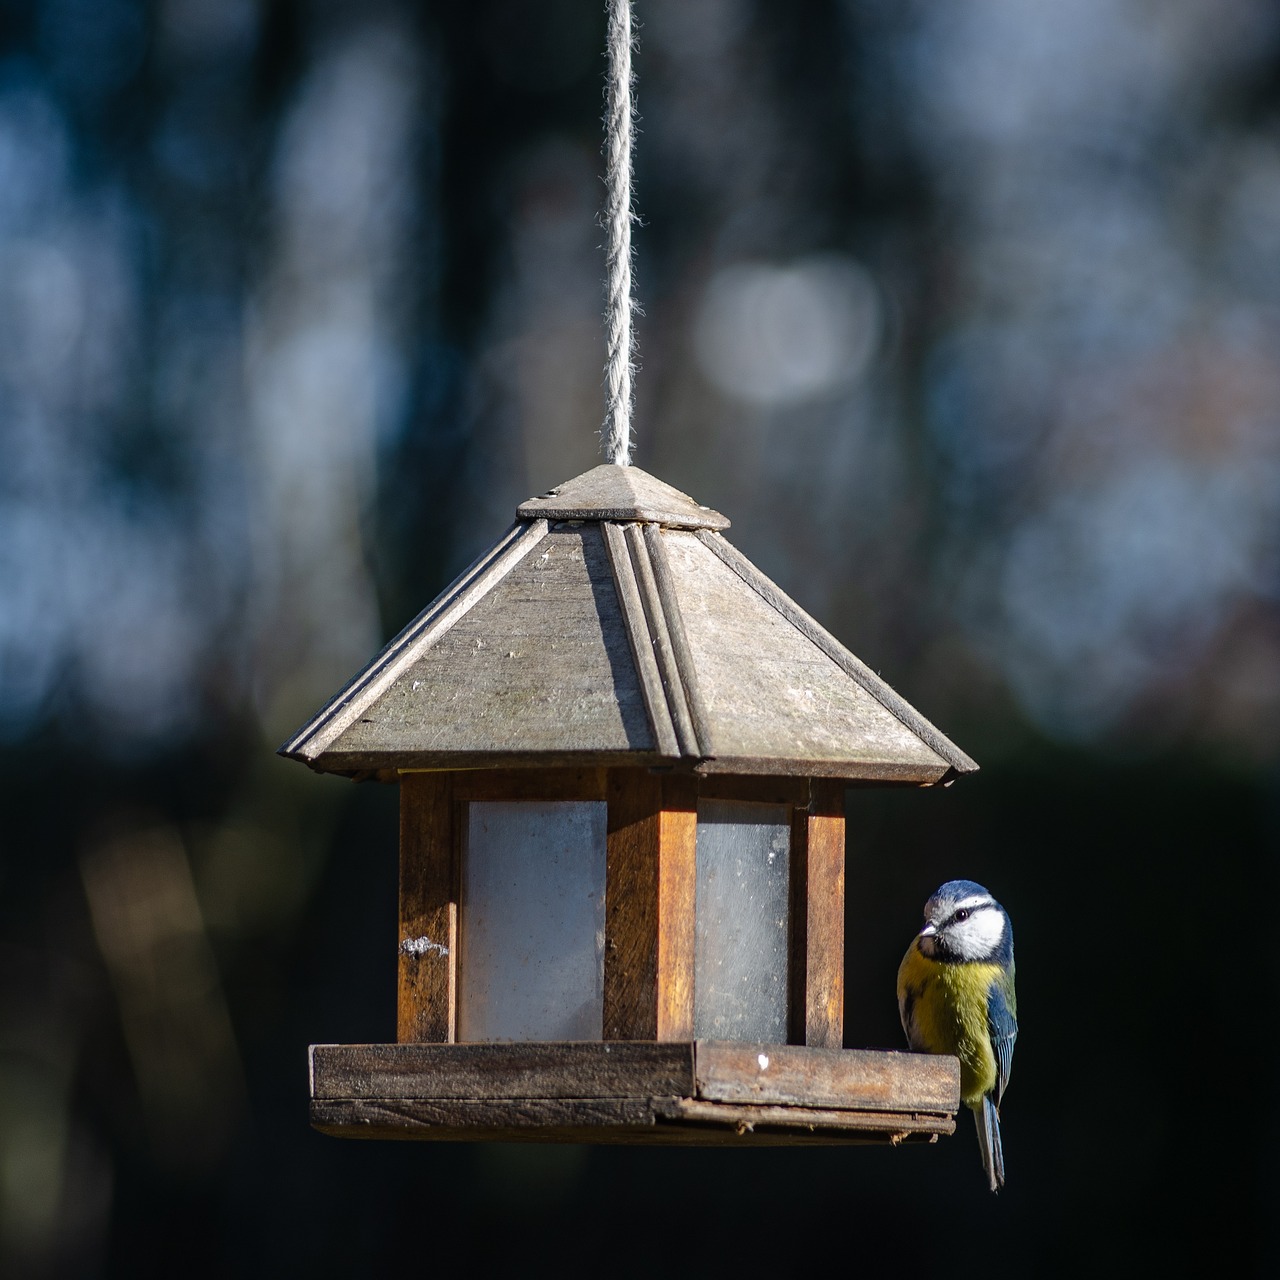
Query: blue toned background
column 967, row 314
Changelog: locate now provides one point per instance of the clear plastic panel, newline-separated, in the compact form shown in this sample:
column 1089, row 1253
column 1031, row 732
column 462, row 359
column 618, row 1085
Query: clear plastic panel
column 743, row 918
column 531, row 945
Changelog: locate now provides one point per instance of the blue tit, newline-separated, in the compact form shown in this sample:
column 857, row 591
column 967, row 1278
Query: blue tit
column 955, row 995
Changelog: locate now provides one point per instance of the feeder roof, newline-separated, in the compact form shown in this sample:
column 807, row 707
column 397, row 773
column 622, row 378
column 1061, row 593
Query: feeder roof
column 613, row 624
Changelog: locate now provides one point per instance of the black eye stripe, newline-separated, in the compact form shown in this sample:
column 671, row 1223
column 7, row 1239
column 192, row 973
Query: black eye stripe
column 966, row 913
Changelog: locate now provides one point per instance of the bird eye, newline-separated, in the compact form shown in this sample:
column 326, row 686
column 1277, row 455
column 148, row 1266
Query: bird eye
column 961, row 915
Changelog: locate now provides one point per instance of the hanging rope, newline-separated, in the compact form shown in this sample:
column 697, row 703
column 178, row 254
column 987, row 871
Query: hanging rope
column 618, row 217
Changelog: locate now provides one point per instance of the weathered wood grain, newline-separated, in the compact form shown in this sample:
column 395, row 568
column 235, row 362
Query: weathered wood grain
column 502, row 1070
column 798, row 954
column 857, row 670
column 610, row 492
column 541, row 664
column 655, row 544
column 357, row 763
column 660, row 637
column 768, row 689
column 878, row 772
column 818, row 843
column 703, row 1093
column 848, row 1079
column 312, row 740
column 631, row 906
column 484, row 1120
column 642, row 644
column 649, row 906
column 677, row 889
column 675, row 1122
column 557, row 648
column 893, row 1126
column 426, row 1002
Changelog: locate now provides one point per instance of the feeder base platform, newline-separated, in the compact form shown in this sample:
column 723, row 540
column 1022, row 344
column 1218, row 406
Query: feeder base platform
column 700, row 1093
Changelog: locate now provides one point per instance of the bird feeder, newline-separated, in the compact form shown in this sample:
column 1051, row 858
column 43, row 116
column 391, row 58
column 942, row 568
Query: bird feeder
column 622, row 754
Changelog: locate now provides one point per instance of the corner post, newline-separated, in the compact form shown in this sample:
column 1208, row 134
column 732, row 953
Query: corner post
column 817, row 905
column 426, row 1003
column 649, row 928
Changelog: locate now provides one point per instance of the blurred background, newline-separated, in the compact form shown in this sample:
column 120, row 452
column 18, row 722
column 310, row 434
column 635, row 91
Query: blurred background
column 966, row 314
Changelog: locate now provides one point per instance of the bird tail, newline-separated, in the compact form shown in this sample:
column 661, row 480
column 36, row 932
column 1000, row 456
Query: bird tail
column 988, row 1121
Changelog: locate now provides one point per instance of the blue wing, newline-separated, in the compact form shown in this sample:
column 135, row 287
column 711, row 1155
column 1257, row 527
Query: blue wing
column 1002, row 1026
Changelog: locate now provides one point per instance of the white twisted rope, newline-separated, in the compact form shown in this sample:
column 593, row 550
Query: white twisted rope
column 618, row 217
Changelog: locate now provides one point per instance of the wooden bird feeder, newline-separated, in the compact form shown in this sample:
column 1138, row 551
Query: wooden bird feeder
column 622, row 754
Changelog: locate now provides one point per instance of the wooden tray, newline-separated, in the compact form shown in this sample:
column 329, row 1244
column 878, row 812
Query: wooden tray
column 688, row 1093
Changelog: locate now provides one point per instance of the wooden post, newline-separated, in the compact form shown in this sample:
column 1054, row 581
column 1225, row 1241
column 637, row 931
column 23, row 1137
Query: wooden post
column 426, row 1005
column 817, row 907
column 648, row 966
column 631, row 906
column 677, row 886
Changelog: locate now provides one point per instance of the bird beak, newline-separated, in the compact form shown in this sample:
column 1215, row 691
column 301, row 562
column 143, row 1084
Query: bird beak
column 929, row 931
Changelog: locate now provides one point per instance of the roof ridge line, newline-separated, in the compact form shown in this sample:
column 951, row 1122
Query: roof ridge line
column 674, row 622
column 660, row 637
column 636, row 623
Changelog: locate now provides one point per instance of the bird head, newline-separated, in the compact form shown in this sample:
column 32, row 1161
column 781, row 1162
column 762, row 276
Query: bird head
column 963, row 922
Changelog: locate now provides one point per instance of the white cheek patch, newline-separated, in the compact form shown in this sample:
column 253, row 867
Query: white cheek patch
column 978, row 936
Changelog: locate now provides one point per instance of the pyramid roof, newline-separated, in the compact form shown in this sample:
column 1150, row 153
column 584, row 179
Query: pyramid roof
column 614, row 624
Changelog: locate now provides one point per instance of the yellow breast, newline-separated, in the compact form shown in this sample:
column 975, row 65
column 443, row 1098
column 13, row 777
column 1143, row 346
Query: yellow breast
column 945, row 1011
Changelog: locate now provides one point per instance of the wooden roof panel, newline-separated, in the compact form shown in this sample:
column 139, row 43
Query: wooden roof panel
column 540, row 664
column 769, row 691
column 631, row 633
